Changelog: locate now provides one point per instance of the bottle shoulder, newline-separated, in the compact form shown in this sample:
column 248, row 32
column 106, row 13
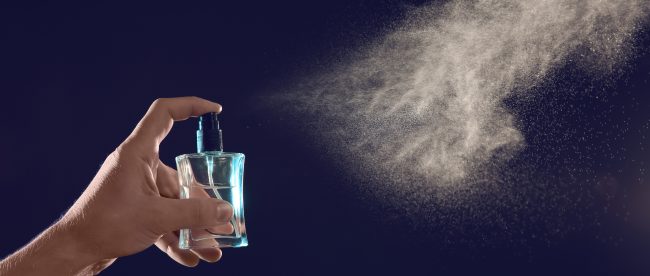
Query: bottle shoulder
column 211, row 153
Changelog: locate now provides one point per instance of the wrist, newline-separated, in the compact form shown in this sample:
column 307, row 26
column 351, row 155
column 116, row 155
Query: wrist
column 65, row 249
column 56, row 251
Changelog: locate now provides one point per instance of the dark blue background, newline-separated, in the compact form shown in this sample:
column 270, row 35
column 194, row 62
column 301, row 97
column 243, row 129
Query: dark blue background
column 76, row 78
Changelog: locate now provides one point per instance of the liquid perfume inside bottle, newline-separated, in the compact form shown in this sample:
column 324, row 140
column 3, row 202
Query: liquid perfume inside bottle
column 211, row 172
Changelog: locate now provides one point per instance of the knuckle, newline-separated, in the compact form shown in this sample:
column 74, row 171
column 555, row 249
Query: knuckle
column 159, row 102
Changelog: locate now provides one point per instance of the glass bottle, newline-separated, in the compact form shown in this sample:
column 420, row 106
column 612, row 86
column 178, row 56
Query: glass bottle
column 211, row 172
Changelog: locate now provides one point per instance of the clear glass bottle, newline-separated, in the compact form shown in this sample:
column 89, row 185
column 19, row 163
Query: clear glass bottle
column 213, row 173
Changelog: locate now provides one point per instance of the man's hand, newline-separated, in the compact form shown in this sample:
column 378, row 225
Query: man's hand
column 129, row 205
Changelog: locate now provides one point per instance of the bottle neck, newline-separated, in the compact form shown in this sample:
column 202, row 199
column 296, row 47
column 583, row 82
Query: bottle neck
column 208, row 140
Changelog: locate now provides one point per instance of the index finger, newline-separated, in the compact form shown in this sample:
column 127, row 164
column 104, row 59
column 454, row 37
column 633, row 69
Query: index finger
column 159, row 119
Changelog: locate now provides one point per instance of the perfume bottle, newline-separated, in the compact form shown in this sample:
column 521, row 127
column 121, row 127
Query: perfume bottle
column 211, row 172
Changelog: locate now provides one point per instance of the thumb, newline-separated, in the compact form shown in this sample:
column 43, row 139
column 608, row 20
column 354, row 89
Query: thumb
column 191, row 213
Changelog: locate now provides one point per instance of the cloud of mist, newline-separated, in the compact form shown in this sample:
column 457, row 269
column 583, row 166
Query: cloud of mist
column 426, row 99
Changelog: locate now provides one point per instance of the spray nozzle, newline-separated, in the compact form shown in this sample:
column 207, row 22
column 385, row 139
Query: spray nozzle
column 208, row 136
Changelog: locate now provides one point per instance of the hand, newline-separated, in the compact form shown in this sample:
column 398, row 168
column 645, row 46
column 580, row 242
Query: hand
column 129, row 205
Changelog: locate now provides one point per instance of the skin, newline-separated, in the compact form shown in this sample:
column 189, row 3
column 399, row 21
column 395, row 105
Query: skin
column 130, row 204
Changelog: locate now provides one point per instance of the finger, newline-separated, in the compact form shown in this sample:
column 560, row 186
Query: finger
column 168, row 243
column 224, row 229
column 178, row 214
column 205, row 246
column 158, row 121
column 212, row 232
column 167, row 181
column 210, row 251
